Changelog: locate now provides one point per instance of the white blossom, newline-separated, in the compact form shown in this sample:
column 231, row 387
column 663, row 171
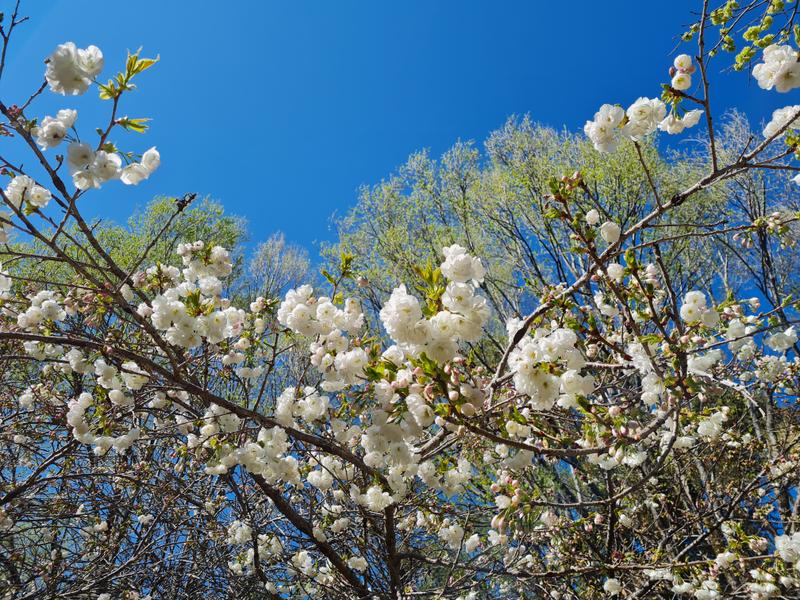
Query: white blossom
column 780, row 69
column 70, row 70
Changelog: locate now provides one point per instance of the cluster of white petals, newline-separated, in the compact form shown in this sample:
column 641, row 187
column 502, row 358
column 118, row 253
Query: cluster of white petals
column 70, row 70
column 462, row 318
column 190, row 308
column 782, row 340
column 711, row 428
column 611, row 124
column 781, row 118
column 682, row 72
column 533, row 362
column 5, row 283
column 136, row 172
column 90, row 168
column 44, row 307
column 24, row 189
column 644, row 115
column 340, row 360
column 461, row 267
column 674, row 124
column 82, row 429
column 604, row 130
column 52, row 130
column 780, row 69
column 788, row 547
column 695, row 310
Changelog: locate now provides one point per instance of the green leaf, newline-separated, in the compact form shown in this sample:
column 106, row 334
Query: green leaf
column 326, row 274
column 137, row 125
column 109, row 90
column 140, row 64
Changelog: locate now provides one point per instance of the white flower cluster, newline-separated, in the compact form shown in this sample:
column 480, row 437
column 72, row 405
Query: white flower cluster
column 772, row 368
column 532, row 363
column 610, row 232
column 460, row 267
column 612, row 586
column 780, row 69
column 303, row 563
column 781, row 118
column 701, row 363
column 639, row 356
column 737, row 332
column 170, row 314
column 673, row 124
column 420, row 410
column 782, row 340
column 652, row 387
column 711, row 427
column 340, row 363
column 388, row 445
column 375, row 499
column 763, row 585
column 136, row 172
column 682, row 72
column 307, row 315
column 52, row 130
column 23, row 188
column 70, row 70
column 604, row 129
column 266, row 456
column 708, row 589
column 451, row 482
column 306, row 404
column 788, row 547
column 108, row 377
column 464, row 315
column 90, row 168
column 644, row 115
column 6, row 522
column 216, row 421
column 5, row 283
column 452, row 534
column 239, row 533
column 215, row 320
column 323, row 478
column 217, row 262
column 5, row 226
column 357, row 563
column 618, row 455
column 611, row 124
column 81, row 431
column 695, row 310
column 44, row 307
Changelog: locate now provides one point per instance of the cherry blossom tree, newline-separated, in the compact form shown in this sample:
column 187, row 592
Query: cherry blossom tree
column 611, row 425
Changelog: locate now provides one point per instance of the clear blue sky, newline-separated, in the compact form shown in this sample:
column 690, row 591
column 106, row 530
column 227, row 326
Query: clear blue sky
column 280, row 110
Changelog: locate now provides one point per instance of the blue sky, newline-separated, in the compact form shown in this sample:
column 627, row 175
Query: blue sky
column 280, row 110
